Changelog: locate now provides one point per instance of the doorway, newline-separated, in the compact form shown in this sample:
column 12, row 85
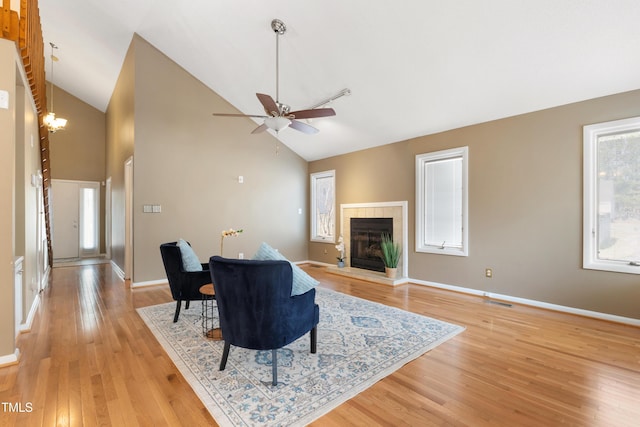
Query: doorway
column 128, row 219
column 76, row 219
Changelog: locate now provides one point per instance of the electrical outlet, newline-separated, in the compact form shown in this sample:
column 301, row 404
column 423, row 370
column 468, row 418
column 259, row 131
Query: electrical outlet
column 240, row 255
column 488, row 272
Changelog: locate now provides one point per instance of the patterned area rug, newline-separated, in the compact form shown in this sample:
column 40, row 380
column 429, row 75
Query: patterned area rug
column 359, row 343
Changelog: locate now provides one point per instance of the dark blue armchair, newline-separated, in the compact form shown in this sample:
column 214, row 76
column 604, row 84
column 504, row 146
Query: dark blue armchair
column 185, row 285
column 256, row 308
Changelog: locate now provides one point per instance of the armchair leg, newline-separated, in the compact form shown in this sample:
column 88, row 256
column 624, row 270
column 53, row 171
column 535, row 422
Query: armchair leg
column 225, row 355
column 274, row 367
column 314, row 339
column 186, row 306
column 175, row 316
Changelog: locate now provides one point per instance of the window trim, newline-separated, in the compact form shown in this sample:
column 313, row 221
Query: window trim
column 591, row 133
column 421, row 161
column 314, row 177
column 95, row 208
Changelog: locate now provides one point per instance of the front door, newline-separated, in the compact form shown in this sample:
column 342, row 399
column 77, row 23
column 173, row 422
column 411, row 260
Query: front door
column 75, row 210
column 65, row 210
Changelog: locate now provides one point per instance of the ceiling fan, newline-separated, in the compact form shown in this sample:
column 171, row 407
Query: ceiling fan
column 278, row 115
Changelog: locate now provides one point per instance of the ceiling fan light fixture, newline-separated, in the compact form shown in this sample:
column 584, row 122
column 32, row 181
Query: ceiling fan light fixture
column 277, row 123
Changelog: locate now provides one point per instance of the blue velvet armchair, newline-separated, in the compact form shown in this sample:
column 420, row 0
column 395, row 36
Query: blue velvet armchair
column 185, row 285
column 256, row 308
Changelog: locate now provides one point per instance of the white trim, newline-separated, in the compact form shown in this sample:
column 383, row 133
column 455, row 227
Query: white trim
column 148, row 283
column 421, row 161
column 26, row 326
column 533, row 303
column 312, row 215
column 116, row 269
column 95, row 251
column 590, row 236
column 45, row 279
column 107, row 217
column 128, row 218
column 10, row 359
column 404, row 205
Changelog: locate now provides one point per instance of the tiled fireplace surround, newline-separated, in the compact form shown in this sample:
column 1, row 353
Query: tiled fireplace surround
column 395, row 210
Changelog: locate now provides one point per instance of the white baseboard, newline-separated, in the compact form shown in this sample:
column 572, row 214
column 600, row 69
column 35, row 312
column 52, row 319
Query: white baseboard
column 507, row 298
column 164, row 281
column 149, row 283
column 10, row 359
column 533, row 303
column 117, row 270
column 45, row 278
column 26, row 326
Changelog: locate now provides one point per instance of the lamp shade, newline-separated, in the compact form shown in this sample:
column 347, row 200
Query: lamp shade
column 277, row 123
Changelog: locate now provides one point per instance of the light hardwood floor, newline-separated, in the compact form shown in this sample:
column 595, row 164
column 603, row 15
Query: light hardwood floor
column 90, row 360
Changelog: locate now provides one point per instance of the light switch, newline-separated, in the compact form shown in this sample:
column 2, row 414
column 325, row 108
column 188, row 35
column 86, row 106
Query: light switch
column 240, row 179
column 147, row 209
column 4, row 99
column 157, row 208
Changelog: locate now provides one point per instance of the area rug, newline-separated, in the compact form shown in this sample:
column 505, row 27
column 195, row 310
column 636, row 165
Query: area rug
column 359, row 343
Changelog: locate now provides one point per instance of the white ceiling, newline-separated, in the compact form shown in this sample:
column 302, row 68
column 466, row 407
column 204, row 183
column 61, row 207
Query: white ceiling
column 414, row 67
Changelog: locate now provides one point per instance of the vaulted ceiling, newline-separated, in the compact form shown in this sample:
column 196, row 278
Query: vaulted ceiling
column 414, row 67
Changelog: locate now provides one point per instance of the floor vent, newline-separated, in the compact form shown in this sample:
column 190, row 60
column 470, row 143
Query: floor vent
column 505, row 304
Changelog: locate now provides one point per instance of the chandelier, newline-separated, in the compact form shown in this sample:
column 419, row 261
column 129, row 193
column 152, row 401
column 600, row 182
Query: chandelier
column 50, row 121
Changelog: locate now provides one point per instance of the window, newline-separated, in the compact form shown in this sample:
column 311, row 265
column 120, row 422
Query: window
column 441, row 202
column 611, row 220
column 323, row 201
column 89, row 219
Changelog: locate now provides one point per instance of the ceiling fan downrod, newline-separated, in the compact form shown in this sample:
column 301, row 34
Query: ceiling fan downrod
column 279, row 28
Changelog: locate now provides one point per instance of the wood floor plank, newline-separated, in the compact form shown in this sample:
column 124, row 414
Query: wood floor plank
column 90, row 360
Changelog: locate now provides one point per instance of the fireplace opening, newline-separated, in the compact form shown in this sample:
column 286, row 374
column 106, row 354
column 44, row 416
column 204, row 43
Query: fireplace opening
column 365, row 242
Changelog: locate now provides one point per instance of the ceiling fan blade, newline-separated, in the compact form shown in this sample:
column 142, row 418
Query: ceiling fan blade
column 270, row 106
column 303, row 127
column 260, row 128
column 240, row 115
column 312, row 114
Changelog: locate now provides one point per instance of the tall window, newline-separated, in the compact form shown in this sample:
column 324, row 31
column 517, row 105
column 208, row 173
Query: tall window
column 89, row 219
column 441, row 202
column 323, row 206
column 612, row 196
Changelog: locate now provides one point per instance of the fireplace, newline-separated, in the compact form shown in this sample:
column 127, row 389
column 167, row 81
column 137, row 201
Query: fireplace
column 365, row 242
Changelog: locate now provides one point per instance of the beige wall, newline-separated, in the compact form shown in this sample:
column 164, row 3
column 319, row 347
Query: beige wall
column 525, row 205
column 119, row 140
column 188, row 162
column 7, row 177
column 78, row 152
column 19, row 158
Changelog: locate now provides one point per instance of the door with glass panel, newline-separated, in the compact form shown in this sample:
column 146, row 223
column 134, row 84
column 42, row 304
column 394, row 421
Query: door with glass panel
column 75, row 212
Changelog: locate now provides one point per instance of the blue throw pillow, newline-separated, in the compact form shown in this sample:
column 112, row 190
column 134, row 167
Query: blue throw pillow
column 302, row 282
column 190, row 260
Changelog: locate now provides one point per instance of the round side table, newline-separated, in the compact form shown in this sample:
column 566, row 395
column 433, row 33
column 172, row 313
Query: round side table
column 208, row 330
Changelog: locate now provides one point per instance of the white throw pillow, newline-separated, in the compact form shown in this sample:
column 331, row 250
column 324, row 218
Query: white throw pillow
column 302, row 282
column 190, row 260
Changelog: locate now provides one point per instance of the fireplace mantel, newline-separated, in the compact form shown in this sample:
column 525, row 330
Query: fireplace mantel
column 395, row 210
